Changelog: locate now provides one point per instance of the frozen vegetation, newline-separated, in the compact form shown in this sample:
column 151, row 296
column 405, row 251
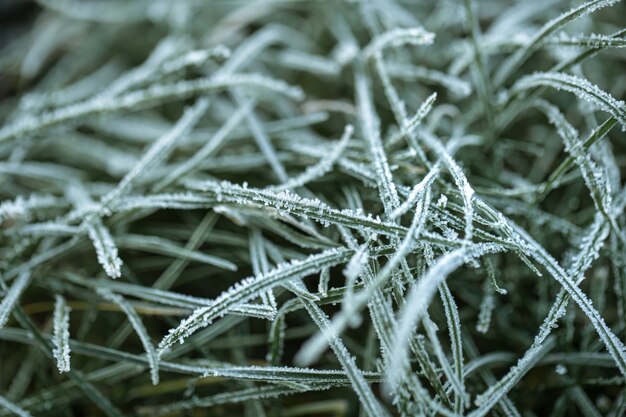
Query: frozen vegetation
column 312, row 208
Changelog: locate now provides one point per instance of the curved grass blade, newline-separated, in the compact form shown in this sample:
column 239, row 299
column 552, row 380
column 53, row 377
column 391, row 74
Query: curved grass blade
column 249, row 289
column 137, row 324
column 105, row 247
column 419, row 298
column 522, row 54
column 12, row 295
column 578, row 86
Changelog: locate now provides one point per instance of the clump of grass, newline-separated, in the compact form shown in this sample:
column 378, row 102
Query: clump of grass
column 281, row 208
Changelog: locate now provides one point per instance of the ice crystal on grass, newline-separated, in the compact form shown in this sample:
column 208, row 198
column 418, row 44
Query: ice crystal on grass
column 158, row 151
column 140, row 329
column 106, row 250
column 594, row 176
column 249, row 289
column 487, row 306
column 61, row 336
column 552, row 26
column 11, row 295
column 373, row 208
column 323, row 166
column 579, row 86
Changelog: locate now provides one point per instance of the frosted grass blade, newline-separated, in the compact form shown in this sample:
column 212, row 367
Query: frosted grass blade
column 140, row 329
column 12, row 295
column 61, row 336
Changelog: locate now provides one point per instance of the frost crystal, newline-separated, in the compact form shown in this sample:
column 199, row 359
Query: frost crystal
column 61, row 335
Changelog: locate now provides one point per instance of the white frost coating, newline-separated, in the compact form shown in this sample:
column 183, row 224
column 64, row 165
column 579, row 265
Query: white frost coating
column 355, row 266
column 173, row 299
column 456, row 344
column 106, row 251
column 322, row 167
column 454, row 84
column 50, row 229
column 613, row 344
column 454, row 379
column 592, row 40
column 287, row 202
column 487, row 306
column 209, row 148
column 11, row 209
column 314, row 347
column 352, row 271
column 61, row 334
column 324, row 282
column 164, row 50
column 12, row 295
column 467, row 192
column 408, row 128
column 370, row 128
column 522, row 54
column 395, row 101
column 488, row 399
column 160, row 150
column 167, row 247
column 194, row 58
column 140, row 329
column 239, row 396
column 595, row 177
column 398, row 37
column 419, row 298
column 416, row 153
column 20, row 207
column 315, row 64
column 369, row 402
column 250, row 288
column 180, row 201
column 590, row 246
column 260, row 265
column 103, row 242
column 281, row 374
column 578, row 86
column 148, row 97
column 416, row 192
